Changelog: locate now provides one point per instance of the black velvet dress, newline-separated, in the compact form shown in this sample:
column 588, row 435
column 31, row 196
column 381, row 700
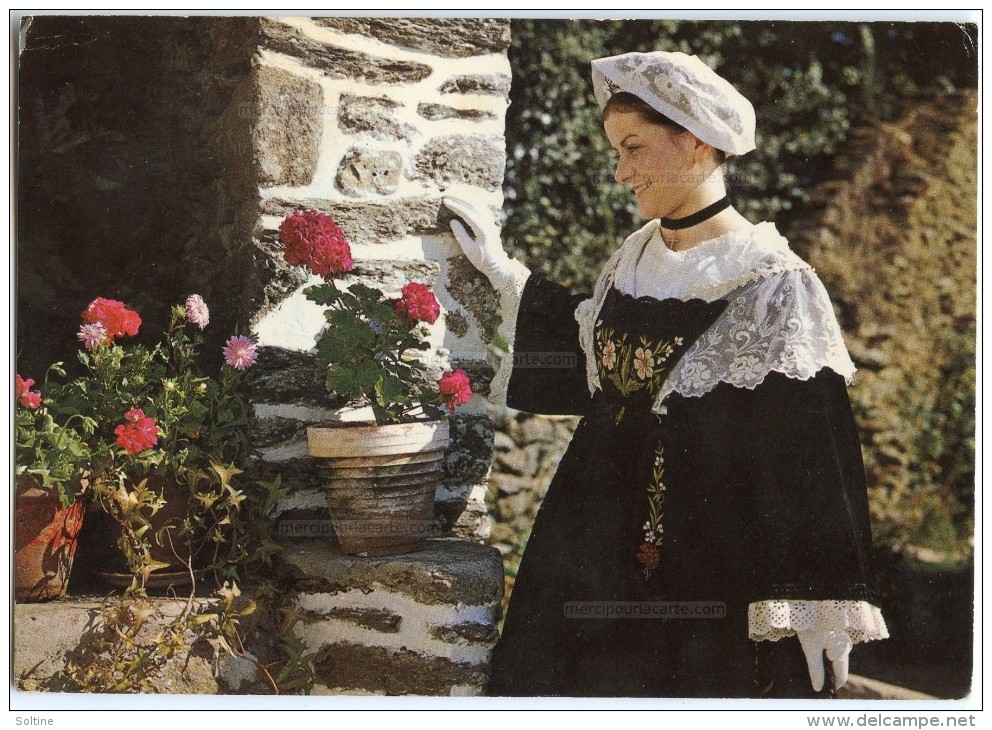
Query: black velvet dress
column 658, row 531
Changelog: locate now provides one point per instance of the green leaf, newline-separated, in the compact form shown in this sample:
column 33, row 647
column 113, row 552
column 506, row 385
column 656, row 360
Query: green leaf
column 355, row 381
column 390, row 389
column 322, row 294
column 226, row 473
column 345, row 339
column 379, row 312
column 365, row 294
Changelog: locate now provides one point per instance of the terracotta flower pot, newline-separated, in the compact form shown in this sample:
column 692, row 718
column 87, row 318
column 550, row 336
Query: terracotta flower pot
column 45, row 535
column 380, row 482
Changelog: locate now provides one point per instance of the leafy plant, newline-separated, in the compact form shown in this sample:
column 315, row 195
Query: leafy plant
column 369, row 347
column 132, row 641
column 49, row 453
column 154, row 420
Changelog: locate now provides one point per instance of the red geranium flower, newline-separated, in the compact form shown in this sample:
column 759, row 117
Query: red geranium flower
column 419, row 303
column 315, row 240
column 116, row 319
column 456, row 389
column 25, row 396
column 137, row 433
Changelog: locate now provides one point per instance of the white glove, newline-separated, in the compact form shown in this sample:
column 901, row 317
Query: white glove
column 837, row 644
column 482, row 246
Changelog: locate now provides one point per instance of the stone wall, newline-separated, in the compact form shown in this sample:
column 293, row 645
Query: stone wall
column 371, row 120
column 134, row 174
column 159, row 157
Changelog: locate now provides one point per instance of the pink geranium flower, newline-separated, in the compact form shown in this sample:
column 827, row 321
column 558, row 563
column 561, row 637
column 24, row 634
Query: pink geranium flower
column 240, row 352
column 25, row 396
column 137, row 433
column 315, row 240
column 455, row 388
column 116, row 319
column 419, row 303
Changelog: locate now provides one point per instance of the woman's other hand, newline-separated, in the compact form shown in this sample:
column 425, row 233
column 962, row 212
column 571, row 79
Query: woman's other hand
column 479, row 239
column 837, row 644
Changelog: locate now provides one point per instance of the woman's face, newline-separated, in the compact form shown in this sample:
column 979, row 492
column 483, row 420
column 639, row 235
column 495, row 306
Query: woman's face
column 656, row 162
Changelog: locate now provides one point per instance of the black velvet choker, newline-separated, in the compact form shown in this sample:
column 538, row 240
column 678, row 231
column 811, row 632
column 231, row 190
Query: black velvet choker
column 675, row 224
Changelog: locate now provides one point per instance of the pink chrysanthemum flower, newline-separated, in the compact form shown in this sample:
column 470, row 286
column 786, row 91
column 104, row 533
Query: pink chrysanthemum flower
column 92, row 335
column 196, row 311
column 240, row 352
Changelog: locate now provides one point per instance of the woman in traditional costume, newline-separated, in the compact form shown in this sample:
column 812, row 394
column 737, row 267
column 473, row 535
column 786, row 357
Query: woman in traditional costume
column 711, row 508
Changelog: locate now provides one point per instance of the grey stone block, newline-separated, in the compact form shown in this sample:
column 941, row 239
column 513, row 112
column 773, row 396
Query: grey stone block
column 339, row 63
column 470, row 453
column 377, row 669
column 436, row 112
column 474, row 292
column 447, row 571
column 364, row 171
column 494, row 84
column 373, row 115
column 467, row 633
column 372, row 223
column 463, row 159
column 288, row 129
column 450, row 37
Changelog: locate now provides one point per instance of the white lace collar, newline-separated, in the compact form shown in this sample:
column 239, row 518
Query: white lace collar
column 708, row 271
column 779, row 317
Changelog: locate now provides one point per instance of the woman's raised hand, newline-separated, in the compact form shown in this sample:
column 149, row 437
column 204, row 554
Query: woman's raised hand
column 479, row 238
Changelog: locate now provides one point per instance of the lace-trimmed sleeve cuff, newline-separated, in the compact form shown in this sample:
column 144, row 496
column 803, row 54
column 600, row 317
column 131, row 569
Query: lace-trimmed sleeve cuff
column 510, row 289
column 772, row 620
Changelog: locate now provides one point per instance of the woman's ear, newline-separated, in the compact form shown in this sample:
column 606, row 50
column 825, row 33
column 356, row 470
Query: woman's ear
column 703, row 151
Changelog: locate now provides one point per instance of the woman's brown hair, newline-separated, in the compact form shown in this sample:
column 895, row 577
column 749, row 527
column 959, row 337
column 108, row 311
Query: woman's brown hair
column 624, row 101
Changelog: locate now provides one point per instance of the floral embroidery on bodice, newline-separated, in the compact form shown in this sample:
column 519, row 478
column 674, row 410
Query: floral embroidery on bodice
column 639, row 341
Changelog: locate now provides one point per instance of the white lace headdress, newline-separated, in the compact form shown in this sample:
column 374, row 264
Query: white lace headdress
column 685, row 90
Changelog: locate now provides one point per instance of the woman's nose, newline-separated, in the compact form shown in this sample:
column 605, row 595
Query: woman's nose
column 620, row 174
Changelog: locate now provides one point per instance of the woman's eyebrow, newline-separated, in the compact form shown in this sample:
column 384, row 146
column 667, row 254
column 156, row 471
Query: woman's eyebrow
column 624, row 140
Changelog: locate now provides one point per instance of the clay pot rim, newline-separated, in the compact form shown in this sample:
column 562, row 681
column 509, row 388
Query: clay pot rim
column 360, row 438
column 25, row 487
column 341, row 425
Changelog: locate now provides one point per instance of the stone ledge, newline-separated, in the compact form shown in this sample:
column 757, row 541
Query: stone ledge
column 46, row 635
column 448, row 571
column 372, row 669
column 339, row 63
column 371, row 223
